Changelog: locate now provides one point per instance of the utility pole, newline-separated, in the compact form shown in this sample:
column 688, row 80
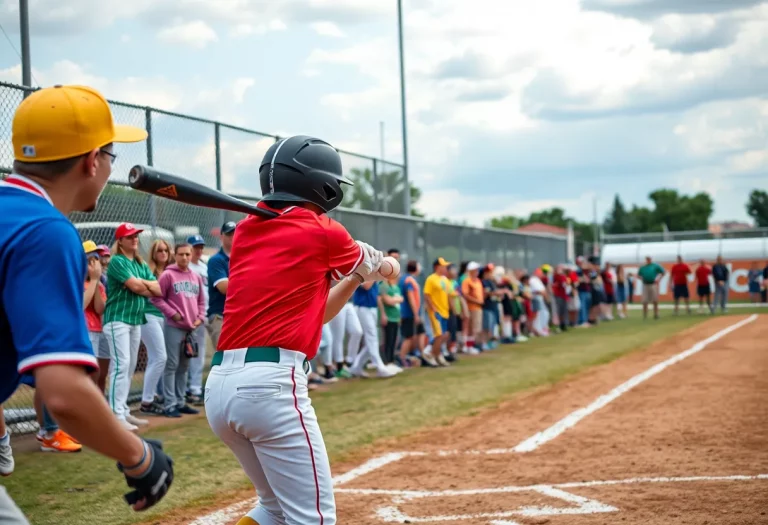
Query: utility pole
column 407, row 192
column 26, row 64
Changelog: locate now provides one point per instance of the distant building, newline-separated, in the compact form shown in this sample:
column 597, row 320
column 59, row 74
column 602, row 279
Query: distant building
column 538, row 227
column 729, row 226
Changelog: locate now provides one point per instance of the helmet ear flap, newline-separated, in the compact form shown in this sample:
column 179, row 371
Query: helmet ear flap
column 330, row 192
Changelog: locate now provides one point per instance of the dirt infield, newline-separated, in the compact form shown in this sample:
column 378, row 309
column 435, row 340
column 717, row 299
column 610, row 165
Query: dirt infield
column 677, row 433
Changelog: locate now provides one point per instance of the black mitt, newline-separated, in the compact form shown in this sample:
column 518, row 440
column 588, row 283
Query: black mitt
column 154, row 483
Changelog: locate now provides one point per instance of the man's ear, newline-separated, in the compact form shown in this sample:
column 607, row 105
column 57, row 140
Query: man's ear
column 90, row 162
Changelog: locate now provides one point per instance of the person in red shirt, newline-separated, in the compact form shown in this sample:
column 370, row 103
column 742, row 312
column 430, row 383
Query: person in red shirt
column 94, row 301
column 703, row 288
column 609, row 282
column 561, row 287
column 574, row 302
column 680, row 272
column 278, row 298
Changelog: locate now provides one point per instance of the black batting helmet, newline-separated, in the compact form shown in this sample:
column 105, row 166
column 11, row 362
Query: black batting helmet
column 303, row 169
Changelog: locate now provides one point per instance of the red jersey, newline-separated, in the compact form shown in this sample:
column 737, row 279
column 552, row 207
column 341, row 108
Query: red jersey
column 559, row 284
column 280, row 273
column 702, row 275
column 608, row 281
column 92, row 319
column 680, row 273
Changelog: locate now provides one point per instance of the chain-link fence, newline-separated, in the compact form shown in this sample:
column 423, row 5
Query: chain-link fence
column 223, row 157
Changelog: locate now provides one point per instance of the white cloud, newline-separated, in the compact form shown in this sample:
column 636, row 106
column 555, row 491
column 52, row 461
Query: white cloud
column 196, row 34
column 247, row 29
column 326, row 28
column 155, row 91
column 240, row 87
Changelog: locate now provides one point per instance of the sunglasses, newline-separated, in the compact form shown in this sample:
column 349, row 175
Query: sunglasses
column 161, row 250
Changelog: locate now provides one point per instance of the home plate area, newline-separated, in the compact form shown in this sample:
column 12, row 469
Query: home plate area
column 506, row 505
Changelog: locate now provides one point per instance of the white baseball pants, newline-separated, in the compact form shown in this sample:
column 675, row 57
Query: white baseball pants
column 369, row 318
column 124, row 340
column 263, row 413
column 346, row 322
column 152, row 333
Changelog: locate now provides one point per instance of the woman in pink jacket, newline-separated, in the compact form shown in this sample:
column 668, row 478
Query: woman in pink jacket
column 183, row 304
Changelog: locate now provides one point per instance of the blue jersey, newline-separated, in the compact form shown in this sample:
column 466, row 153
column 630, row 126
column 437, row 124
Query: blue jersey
column 218, row 270
column 367, row 298
column 41, row 312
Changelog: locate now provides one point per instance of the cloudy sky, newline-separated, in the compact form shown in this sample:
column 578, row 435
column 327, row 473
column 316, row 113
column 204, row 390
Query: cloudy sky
column 513, row 106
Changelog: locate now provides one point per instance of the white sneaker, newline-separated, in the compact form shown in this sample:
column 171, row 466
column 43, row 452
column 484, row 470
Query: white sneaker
column 370, row 366
column 473, row 351
column 133, row 420
column 441, row 360
column 129, row 427
column 385, row 373
column 392, row 367
column 358, row 373
column 521, row 339
column 6, row 459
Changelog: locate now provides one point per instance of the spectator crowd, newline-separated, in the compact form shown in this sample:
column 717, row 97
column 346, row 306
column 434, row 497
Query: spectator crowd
column 173, row 303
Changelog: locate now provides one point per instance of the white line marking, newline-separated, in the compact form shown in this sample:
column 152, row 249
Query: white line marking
column 414, row 494
column 373, row 464
column 227, row 514
column 581, row 504
column 232, row 512
column 535, row 441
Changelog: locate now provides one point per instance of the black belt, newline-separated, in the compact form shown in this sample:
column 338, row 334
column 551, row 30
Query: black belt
column 257, row 354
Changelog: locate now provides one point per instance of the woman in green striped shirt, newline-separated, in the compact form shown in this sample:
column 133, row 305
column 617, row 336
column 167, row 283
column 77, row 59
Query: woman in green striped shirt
column 130, row 282
column 153, row 334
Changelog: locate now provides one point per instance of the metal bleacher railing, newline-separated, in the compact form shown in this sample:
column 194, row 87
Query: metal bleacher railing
column 227, row 157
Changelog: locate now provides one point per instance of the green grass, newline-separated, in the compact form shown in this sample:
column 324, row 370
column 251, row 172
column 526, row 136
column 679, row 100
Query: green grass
column 75, row 489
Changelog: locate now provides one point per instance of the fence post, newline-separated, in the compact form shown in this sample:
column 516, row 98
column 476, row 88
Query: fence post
column 376, row 187
column 426, row 264
column 217, row 153
column 150, row 162
column 462, row 231
column 527, row 258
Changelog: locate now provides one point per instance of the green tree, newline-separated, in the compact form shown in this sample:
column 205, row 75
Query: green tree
column 506, row 222
column 757, row 207
column 391, row 184
column 641, row 220
column 681, row 212
column 552, row 216
column 618, row 218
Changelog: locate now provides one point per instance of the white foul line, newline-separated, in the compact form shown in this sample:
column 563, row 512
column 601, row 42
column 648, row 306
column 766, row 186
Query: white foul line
column 417, row 494
column 535, row 441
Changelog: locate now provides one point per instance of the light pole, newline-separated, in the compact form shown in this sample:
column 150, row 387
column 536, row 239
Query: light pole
column 26, row 64
column 407, row 193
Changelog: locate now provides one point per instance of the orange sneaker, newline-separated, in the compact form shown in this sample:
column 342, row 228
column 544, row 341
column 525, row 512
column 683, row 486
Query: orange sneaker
column 59, row 442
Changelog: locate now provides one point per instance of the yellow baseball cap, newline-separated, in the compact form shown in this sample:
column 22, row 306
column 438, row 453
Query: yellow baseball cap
column 89, row 247
column 440, row 262
column 62, row 122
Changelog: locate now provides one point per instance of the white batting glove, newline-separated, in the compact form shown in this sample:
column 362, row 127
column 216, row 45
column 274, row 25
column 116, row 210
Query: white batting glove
column 372, row 259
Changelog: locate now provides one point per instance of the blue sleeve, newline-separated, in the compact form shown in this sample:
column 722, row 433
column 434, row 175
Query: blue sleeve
column 217, row 271
column 48, row 328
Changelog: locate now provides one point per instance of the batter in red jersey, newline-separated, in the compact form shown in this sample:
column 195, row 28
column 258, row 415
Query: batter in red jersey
column 278, row 299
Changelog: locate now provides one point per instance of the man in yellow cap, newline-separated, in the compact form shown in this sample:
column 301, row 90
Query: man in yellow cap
column 62, row 142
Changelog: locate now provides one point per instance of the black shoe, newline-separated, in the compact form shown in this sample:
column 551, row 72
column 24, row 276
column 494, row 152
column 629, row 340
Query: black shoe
column 173, row 412
column 152, row 409
column 195, row 400
column 450, row 357
column 186, row 409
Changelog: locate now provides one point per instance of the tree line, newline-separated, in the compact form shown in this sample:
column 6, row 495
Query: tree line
column 669, row 209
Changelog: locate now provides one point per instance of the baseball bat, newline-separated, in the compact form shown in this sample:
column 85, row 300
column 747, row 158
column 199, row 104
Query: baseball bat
column 162, row 184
